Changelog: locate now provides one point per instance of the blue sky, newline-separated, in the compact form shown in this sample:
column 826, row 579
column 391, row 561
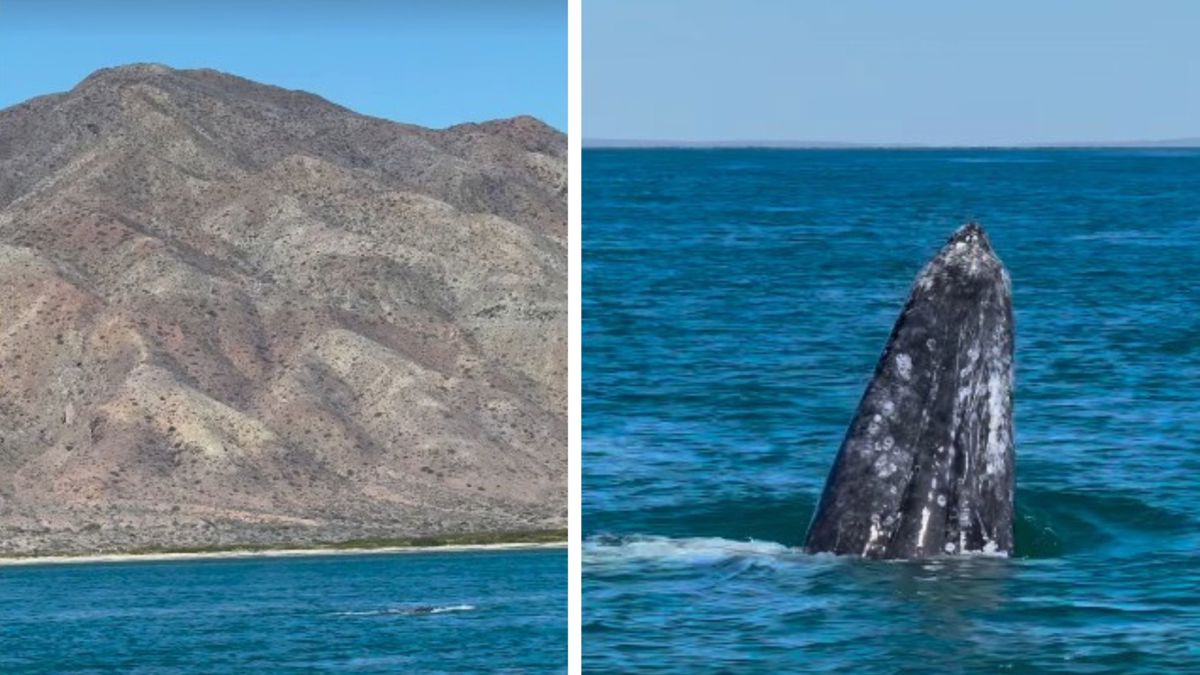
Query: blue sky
column 928, row 71
column 428, row 62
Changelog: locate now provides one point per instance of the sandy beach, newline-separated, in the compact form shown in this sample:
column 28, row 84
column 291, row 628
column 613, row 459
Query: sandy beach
column 274, row 553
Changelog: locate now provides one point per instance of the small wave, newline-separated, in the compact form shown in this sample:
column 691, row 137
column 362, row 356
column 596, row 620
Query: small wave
column 609, row 550
column 409, row 611
column 1134, row 237
column 997, row 160
column 452, row 608
column 1052, row 523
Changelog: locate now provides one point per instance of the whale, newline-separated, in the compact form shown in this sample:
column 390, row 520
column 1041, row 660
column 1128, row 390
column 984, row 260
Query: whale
column 926, row 468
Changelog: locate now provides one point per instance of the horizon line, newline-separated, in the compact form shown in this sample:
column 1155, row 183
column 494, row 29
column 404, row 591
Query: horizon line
column 631, row 143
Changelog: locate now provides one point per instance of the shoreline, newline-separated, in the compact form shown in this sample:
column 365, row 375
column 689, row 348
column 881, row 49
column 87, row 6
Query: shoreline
column 235, row 554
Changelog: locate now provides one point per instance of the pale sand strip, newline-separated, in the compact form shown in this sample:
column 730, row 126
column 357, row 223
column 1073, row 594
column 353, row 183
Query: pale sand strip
column 272, row 553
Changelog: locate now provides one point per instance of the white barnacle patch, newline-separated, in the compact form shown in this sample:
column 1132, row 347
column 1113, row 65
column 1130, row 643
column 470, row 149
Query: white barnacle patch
column 941, row 500
column 990, row 547
column 967, row 369
column 889, row 443
column 875, row 532
column 884, row 466
column 949, row 547
column 904, row 366
column 931, row 344
column 924, row 526
column 888, row 408
column 998, row 433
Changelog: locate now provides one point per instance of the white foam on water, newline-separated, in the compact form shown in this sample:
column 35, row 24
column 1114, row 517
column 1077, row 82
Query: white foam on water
column 989, row 551
column 608, row 553
column 605, row 551
column 452, row 608
column 409, row 611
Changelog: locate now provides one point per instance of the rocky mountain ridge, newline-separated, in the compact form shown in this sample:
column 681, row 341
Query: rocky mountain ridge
column 238, row 314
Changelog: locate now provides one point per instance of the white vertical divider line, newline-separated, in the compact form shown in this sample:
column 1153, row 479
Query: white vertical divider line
column 574, row 333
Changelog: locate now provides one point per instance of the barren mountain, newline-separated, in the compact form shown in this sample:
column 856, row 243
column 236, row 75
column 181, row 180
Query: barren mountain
column 238, row 314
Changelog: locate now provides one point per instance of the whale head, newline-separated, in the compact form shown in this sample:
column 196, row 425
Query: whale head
column 926, row 466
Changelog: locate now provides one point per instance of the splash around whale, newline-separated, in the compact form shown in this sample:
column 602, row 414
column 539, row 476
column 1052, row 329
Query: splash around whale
column 927, row 466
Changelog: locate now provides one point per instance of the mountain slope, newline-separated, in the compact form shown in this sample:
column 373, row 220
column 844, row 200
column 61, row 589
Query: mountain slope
column 238, row 314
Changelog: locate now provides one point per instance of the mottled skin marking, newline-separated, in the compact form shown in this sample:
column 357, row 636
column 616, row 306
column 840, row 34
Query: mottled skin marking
column 926, row 467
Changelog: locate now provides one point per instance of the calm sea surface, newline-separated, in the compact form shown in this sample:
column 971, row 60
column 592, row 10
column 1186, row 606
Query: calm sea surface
column 735, row 303
column 402, row 613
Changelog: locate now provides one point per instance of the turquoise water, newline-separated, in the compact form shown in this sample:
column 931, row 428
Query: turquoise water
column 735, row 303
column 384, row 613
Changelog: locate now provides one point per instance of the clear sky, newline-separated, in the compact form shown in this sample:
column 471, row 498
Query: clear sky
column 883, row 71
column 429, row 62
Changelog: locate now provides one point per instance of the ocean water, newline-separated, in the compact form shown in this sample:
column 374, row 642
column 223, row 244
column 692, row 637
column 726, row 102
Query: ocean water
column 378, row 613
column 734, row 305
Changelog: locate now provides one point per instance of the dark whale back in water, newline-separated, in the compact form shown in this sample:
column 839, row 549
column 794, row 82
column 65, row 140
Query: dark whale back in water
column 926, row 467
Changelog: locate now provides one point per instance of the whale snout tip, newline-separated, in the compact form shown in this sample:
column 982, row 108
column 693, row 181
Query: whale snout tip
column 968, row 253
column 970, row 241
column 971, row 233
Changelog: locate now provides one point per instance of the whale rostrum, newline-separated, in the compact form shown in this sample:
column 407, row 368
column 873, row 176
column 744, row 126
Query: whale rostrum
column 926, row 467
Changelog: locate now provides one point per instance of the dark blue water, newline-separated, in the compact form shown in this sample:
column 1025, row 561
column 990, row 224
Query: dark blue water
column 385, row 613
column 735, row 303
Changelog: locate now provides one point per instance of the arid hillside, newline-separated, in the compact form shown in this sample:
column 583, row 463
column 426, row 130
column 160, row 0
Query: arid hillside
column 237, row 314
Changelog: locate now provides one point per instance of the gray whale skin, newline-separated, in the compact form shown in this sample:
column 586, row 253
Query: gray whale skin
column 926, row 467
